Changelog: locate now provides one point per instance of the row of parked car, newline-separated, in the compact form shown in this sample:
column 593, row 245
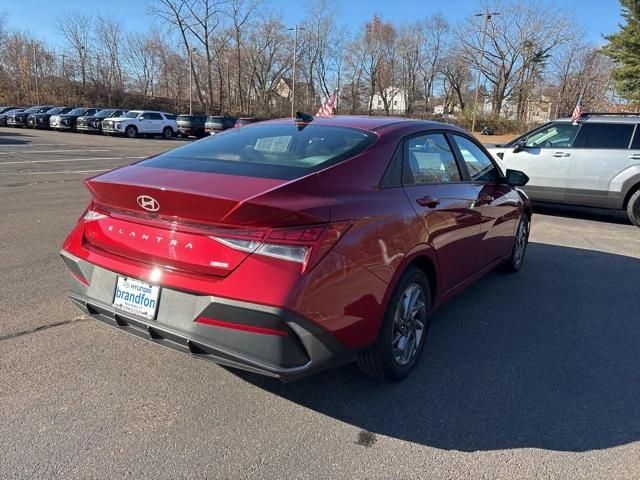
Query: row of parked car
column 115, row 121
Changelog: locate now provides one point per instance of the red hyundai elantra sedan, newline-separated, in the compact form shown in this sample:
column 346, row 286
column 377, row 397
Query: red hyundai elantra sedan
column 289, row 246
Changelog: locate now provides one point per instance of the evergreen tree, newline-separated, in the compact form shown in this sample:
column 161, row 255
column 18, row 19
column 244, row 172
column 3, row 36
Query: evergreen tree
column 624, row 48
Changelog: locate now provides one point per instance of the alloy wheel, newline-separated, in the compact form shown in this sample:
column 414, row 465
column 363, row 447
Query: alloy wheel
column 521, row 242
column 408, row 324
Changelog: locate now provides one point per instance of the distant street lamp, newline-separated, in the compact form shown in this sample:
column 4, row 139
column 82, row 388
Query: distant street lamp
column 487, row 16
column 293, row 76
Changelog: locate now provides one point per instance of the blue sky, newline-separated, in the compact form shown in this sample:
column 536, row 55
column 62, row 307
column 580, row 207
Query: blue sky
column 38, row 16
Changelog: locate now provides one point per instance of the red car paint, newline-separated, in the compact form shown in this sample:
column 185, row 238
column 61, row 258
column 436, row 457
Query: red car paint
column 366, row 235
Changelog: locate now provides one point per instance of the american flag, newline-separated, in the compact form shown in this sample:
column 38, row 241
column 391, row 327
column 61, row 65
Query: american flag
column 326, row 110
column 577, row 112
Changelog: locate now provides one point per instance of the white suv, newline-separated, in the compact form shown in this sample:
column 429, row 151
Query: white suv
column 141, row 122
column 595, row 163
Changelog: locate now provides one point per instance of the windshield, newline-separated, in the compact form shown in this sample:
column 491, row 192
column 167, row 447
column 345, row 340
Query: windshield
column 77, row 111
column 31, row 110
column 53, row 111
column 269, row 151
column 104, row 113
column 44, row 109
column 130, row 115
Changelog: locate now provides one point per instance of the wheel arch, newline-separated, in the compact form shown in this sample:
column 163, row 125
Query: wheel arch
column 634, row 188
column 423, row 258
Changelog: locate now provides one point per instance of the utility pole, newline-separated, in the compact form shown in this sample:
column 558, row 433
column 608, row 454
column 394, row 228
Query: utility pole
column 293, row 77
column 35, row 66
column 487, row 16
column 191, row 81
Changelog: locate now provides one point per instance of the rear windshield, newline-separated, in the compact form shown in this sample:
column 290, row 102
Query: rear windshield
column 189, row 118
column 268, row 151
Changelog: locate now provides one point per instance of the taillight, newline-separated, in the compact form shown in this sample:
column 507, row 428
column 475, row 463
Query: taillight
column 91, row 215
column 304, row 245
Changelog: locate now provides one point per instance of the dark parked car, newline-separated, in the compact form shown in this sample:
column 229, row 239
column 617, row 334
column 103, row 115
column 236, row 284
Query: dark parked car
column 191, row 125
column 19, row 119
column 292, row 246
column 240, row 122
column 93, row 123
column 41, row 120
column 219, row 123
column 6, row 109
column 3, row 116
column 68, row 120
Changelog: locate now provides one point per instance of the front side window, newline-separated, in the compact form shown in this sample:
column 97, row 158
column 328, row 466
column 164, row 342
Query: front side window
column 558, row 135
column 605, row 135
column 429, row 159
column 283, row 151
column 152, row 116
column 480, row 166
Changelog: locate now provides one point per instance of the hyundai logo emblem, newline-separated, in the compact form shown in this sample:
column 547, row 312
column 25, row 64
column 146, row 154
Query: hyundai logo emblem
column 148, row 203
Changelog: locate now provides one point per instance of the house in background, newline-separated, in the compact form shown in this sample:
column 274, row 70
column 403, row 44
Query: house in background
column 396, row 98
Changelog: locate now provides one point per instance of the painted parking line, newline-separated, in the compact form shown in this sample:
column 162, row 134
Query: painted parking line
column 34, row 145
column 58, row 172
column 57, row 151
column 58, row 160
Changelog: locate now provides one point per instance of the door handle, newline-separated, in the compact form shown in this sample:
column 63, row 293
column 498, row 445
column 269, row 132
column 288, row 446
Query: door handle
column 428, row 201
column 635, row 156
column 561, row 154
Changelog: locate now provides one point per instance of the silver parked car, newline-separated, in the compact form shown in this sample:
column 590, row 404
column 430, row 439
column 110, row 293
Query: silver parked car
column 595, row 162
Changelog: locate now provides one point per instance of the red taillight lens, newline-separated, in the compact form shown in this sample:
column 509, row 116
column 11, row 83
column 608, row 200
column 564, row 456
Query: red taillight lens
column 304, row 245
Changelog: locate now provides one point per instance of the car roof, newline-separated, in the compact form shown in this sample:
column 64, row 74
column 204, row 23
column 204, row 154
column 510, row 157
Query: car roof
column 605, row 118
column 371, row 123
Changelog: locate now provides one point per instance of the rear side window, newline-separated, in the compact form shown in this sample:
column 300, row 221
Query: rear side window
column 152, row 116
column 429, row 159
column 268, row 151
column 605, row 135
column 170, row 116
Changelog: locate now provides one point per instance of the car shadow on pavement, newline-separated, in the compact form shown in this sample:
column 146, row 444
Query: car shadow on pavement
column 547, row 358
column 14, row 138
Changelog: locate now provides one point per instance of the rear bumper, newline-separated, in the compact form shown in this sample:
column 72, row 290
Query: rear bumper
column 301, row 348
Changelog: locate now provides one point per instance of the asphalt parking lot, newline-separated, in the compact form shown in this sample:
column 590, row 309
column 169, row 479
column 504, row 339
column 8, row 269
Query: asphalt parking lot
column 528, row 376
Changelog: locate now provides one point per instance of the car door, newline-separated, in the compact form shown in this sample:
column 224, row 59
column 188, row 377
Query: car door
column 601, row 152
column 496, row 202
column 155, row 122
column 141, row 122
column 546, row 158
column 445, row 203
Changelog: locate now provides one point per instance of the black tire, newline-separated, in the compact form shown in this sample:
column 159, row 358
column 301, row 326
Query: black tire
column 131, row 132
column 167, row 133
column 379, row 360
column 519, row 249
column 633, row 208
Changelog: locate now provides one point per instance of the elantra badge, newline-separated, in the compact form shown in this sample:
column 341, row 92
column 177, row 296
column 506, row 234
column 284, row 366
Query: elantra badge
column 148, row 203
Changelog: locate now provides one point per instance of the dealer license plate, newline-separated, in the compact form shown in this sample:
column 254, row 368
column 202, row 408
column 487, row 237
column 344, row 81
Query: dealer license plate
column 136, row 297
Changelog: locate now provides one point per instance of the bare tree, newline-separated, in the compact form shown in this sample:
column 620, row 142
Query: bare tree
column 433, row 33
column 77, row 30
column 518, row 33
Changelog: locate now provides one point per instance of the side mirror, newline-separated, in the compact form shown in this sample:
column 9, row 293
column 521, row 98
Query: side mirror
column 519, row 146
column 516, row 178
